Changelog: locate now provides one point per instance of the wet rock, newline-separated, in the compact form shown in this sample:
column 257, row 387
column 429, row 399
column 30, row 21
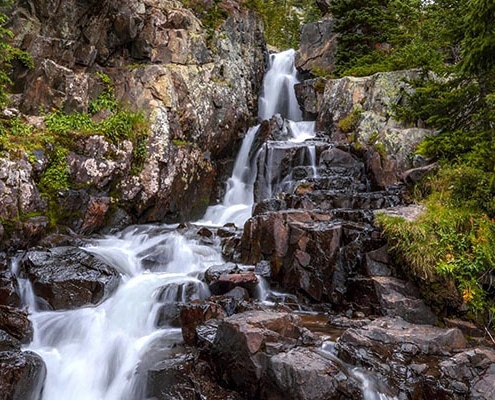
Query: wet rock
column 196, row 313
column 238, row 294
column 400, row 299
column 168, row 315
column 8, row 343
column 302, row 248
column 68, row 277
column 305, row 374
column 167, row 380
column 403, row 354
column 9, row 294
column 377, row 262
column 183, row 376
column 22, row 375
column 469, row 374
column 244, row 341
column 16, row 323
column 213, row 273
column 227, row 282
column 382, row 337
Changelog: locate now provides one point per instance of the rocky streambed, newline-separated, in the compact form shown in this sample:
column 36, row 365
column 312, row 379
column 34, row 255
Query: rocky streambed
column 301, row 303
column 295, row 298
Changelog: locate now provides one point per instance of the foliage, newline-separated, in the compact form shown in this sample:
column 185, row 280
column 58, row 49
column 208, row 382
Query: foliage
column 362, row 28
column 455, row 242
column 8, row 54
column 349, row 122
column 283, row 18
column 56, row 176
column 387, row 35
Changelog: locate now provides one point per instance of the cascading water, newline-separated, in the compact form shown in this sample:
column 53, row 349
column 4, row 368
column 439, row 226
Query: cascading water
column 94, row 353
column 277, row 95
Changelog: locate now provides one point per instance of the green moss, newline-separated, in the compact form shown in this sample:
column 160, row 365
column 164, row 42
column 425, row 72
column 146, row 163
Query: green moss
column 180, row 142
column 350, row 122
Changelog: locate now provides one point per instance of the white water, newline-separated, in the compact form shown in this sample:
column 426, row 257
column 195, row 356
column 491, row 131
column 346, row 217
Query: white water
column 367, row 382
column 277, row 94
column 277, row 97
column 238, row 200
column 94, row 353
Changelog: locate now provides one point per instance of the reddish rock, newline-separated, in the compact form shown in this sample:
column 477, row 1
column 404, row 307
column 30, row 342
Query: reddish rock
column 244, row 342
column 16, row 323
column 196, row 313
column 302, row 249
column 227, row 282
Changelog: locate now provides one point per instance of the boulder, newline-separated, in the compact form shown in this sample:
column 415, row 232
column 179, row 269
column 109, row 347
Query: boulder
column 244, row 343
column 401, row 299
column 16, row 323
column 22, row 375
column 406, row 356
column 68, row 277
column 307, row 374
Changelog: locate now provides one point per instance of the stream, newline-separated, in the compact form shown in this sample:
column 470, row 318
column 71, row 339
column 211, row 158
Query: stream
column 95, row 353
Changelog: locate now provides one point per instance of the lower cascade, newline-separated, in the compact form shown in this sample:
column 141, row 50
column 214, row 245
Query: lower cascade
column 283, row 290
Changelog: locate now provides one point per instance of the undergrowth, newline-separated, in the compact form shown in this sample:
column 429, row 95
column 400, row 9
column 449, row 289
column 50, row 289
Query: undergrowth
column 453, row 240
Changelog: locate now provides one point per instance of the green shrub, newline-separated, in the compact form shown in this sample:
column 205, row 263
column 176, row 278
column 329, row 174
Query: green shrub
column 350, row 121
column 448, row 241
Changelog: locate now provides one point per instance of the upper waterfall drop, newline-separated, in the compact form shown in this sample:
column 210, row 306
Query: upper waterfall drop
column 278, row 96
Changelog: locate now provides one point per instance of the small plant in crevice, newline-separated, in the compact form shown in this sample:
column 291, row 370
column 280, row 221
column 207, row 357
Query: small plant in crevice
column 56, row 176
column 350, row 122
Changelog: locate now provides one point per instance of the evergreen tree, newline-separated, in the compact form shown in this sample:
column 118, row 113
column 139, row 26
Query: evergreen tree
column 363, row 28
column 479, row 42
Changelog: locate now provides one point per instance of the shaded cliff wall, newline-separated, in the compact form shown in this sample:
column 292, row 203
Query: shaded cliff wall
column 197, row 81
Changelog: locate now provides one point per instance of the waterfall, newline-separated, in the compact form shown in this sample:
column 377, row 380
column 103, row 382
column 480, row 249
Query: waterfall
column 238, row 199
column 94, row 353
column 277, row 97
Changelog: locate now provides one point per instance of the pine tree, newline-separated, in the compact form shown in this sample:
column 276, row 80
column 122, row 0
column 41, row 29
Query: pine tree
column 362, row 26
column 479, row 42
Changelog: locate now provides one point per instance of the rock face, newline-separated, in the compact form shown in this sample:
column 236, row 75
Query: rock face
column 420, row 361
column 360, row 111
column 317, row 49
column 67, row 277
column 198, row 86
